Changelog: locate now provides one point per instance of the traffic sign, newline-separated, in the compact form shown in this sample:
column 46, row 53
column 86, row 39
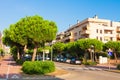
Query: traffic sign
column 110, row 53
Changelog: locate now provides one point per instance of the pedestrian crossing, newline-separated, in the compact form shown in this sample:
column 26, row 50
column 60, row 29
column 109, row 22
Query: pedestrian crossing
column 82, row 68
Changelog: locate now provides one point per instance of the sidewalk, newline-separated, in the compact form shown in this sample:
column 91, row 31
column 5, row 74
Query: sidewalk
column 9, row 69
column 107, row 66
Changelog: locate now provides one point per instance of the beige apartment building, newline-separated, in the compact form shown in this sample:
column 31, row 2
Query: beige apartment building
column 94, row 28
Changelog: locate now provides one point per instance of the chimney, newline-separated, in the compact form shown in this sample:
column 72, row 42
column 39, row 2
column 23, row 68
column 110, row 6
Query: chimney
column 95, row 17
column 78, row 21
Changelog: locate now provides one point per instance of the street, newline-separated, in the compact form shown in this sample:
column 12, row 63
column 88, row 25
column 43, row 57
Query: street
column 79, row 72
column 10, row 71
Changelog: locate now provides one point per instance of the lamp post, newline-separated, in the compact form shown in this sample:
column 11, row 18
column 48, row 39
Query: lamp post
column 109, row 54
column 51, row 52
column 43, row 55
column 92, row 52
column 52, row 48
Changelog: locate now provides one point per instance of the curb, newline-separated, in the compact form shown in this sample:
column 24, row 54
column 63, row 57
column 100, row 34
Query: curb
column 115, row 71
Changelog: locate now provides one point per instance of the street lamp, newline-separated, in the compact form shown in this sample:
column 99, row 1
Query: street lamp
column 92, row 52
column 109, row 54
column 52, row 48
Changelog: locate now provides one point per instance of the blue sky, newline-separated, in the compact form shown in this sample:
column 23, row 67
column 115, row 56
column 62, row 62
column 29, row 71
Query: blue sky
column 63, row 12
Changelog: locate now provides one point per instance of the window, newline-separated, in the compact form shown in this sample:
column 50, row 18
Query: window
column 101, row 38
column 106, row 38
column 111, row 39
column 101, row 31
column 97, row 37
column 104, row 24
column 97, row 31
column 79, row 32
column 75, row 34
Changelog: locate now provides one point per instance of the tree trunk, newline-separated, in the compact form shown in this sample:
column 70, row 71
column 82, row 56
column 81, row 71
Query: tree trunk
column 34, row 53
column 95, row 57
column 25, row 48
column 91, row 56
column 115, row 57
column 85, row 55
column 18, row 54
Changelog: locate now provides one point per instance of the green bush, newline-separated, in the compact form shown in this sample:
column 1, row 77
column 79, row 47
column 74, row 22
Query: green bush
column 118, row 66
column 27, row 67
column 89, row 63
column 38, row 67
column 19, row 62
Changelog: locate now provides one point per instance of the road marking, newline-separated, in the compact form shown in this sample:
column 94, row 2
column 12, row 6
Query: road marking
column 15, row 77
column 82, row 68
column 8, row 69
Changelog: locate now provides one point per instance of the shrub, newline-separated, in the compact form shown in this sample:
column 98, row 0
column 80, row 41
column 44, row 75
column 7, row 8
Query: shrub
column 38, row 67
column 28, row 67
column 118, row 66
column 89, row 63
column 19, row 62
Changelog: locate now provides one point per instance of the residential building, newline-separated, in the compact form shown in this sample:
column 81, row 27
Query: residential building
column 0, row 39
column 94, row 28
column 2, row 46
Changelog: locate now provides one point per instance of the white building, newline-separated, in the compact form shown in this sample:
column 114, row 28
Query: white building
column 94, row 28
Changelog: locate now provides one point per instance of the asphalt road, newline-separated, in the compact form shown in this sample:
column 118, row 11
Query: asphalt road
column 10, row 71
column 79, row 72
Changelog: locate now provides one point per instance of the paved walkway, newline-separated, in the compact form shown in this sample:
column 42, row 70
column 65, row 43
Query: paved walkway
column 9, row 69
column 106, row 66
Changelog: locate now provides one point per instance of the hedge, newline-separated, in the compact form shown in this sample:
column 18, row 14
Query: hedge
column 38, row 67
column 118, row 66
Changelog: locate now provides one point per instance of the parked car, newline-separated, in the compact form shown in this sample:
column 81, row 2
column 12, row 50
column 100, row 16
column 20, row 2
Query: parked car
column 59, row 58
column 27, row 57
column 63, row 59
column 75, row 61
column 72, row 60
column 47, row 58
column 68, row 60
column 38, row 57
column 78, row 61
column 56, row 59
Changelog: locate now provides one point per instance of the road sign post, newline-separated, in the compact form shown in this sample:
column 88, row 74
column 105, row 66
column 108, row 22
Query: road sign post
column 109, row 54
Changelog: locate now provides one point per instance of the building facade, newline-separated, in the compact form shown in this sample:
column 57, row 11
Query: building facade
column 2, row 46
column 94, row 28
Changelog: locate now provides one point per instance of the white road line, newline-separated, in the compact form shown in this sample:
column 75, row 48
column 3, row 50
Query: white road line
column 8, row 69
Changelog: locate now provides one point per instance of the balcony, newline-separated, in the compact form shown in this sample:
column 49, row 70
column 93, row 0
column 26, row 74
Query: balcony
column 85, row 32
column 109, row 34
column 67, row 34
column 118, row 36
column 118, row 30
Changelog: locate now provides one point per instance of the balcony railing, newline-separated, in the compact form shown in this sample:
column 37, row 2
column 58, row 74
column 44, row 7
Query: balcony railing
column 85, row 32
column 118, row 30
column 118, row 35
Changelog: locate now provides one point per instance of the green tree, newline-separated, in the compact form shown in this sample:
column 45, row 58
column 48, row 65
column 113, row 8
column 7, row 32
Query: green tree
column 85, row 44
column 114, row 46
column 32, row 30
column 58, row 47
column 74, row 50
column 1, row 52
column 6, row 39
column 40, row 31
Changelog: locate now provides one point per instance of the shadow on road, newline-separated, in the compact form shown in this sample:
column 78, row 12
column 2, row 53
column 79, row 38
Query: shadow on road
column 15, row 76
